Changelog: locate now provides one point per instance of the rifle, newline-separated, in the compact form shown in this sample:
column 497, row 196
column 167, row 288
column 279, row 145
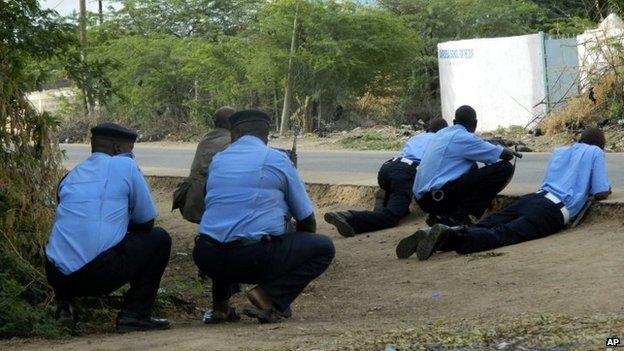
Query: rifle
column 581, row 215
column 293, row 151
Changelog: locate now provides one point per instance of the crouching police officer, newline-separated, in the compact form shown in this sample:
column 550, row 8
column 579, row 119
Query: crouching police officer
column 574, row 173
column 396, row 178
column 449, row 186
column 104, row 235
column 250, row 192
column 190, row 193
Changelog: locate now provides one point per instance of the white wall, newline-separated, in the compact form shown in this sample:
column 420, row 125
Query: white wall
column 502, row 78
column 598, row 47
column 49, row 100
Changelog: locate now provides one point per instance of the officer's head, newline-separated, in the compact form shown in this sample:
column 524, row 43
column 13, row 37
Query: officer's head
column 222, row 117
column 112, row 139
column 250, row 122
column 593, row 136
column 436, row 124
column 467, row 117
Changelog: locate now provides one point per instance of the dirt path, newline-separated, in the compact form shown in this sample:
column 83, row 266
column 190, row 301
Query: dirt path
column 367, row 293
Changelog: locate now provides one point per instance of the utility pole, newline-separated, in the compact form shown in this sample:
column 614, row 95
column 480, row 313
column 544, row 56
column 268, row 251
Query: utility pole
column 100, row 12
column 289, row 77
column 83, row 55
column 83, row 28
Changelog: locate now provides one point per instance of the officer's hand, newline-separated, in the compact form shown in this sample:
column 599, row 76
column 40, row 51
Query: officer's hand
column 141, row 227
column 603, row 195
column 307, row 224
column 509, row 154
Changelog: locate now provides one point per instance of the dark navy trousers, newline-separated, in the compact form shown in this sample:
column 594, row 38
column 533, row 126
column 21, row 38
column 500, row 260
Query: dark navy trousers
column 396, row 178
column 139, row 259
column 531, row 217
column 282, row 265
column 472, row 193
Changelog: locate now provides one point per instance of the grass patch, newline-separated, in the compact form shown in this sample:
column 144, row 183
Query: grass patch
column 512, row 132
column 520, row 333
column 372, row 140
column 580, row 111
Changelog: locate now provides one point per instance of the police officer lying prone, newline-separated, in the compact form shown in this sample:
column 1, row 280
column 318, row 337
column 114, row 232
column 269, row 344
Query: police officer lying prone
column 449, row 185
column 104, row 236
column 242, row 237
column 395, row 178
column 573, row 175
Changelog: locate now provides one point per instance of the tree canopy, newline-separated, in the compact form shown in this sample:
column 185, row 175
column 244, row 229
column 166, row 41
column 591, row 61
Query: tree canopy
column 160, row 62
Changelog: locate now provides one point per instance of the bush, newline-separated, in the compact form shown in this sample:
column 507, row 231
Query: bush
column 580, row 111
column 19, row 316
column 31, row 169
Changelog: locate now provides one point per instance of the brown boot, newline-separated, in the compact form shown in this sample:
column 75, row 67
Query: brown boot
column 259, row 298
column 265, row 311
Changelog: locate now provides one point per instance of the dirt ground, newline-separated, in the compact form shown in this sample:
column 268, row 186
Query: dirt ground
column 562, row 292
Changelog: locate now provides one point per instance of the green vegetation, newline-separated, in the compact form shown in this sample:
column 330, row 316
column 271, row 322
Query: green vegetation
column 30, row 169
column 509, row 132
column 162, row 67
column 372, row 140
column 525, row 332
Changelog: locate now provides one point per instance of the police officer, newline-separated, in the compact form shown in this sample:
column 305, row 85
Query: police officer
column 104, row 236
column 449, row 185
column 189, row 195
column 396, row 178
column 250, row 192
column 574, row 173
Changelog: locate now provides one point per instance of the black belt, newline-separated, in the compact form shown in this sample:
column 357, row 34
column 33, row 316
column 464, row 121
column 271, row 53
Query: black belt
column 231, row 244
column 405, row 160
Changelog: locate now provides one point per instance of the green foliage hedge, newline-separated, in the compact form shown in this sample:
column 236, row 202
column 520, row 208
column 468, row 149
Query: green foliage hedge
column 30, row 169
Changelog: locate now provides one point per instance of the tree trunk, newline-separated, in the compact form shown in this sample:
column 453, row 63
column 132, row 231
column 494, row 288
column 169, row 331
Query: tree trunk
column 289, row 77
column 100, row 12
column 319, row 111
column 306, row 115
column 89, row 103
column 276, row 106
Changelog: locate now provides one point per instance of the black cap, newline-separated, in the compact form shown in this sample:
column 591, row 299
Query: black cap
column 249, row 116
column 112, row 130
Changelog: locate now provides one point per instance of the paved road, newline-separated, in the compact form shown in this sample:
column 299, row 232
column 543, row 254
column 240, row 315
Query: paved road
column 336, row 167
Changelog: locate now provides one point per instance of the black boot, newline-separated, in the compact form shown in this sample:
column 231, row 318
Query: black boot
column 407, row 246
column 128, row 321
column 65, row 315
column 438, row 237
column 342, row 222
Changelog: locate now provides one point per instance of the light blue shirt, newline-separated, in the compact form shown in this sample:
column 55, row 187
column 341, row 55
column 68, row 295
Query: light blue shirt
column 451, row 153
column 98, row 198
column 415, row 146
column 251, row 189
column 574, row 173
